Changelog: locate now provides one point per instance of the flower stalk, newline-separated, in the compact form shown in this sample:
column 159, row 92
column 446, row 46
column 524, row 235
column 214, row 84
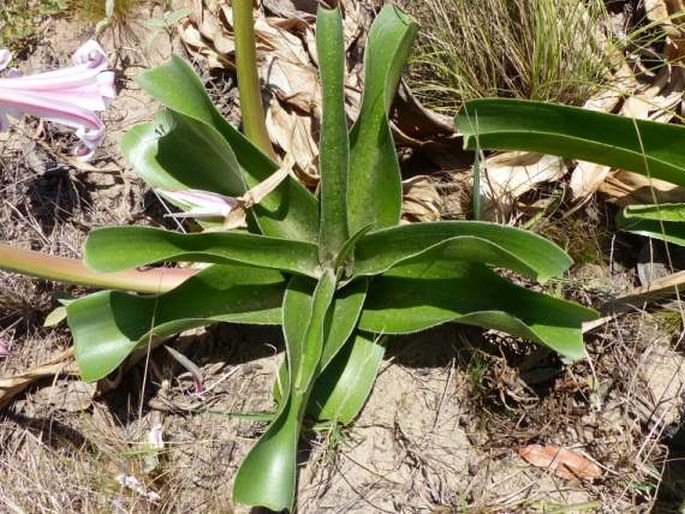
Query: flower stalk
column 248, row 79
column 73, row 271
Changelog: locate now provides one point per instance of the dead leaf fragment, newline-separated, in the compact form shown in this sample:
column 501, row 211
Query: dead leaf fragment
column 4, row 346
column 507, row 176
column 293, row 134
column 626, row 187
column 586, row 179
column 421, row 200
column 563, row 463
column 670, row 15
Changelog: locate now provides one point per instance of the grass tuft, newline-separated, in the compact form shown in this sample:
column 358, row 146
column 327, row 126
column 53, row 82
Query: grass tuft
column 549, row 50
column 21, row 21
column 96, row 10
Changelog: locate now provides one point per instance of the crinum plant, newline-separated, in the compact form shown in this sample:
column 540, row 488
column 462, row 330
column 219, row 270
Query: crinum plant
column 336, row 269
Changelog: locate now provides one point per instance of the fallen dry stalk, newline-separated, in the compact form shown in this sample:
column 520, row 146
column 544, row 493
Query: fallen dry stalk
column 63, row 364
column 655, row 290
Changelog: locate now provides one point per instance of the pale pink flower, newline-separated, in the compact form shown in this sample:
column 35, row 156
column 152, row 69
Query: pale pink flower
column 69, row 96
column 199, row 204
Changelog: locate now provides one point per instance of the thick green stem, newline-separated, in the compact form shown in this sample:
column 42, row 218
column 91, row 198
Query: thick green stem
column 248, row 80
column 72, row 271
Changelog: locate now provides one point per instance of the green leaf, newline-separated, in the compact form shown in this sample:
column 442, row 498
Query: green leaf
column 178, row 152
column 671, row 212
column 651, row 148
column 345, row 311
column 664, row 221
column 268, row 476
column 334, row 145
column 374, row 189
column 172, row 18
column 107, row 326
column 427, row 291
column 290, row 210
column 342, row 389
column 119, row 248
column 499, row 245
column 304, row 354
column 56, row 316
column 343, row 262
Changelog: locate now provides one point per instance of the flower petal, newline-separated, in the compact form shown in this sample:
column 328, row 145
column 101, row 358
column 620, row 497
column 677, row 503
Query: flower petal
column 5, row 58
column 69, row 96
column 90, row 53
column 199, row 204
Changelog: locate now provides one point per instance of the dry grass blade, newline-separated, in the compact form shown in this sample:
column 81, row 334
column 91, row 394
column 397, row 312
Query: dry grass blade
column 656, row 290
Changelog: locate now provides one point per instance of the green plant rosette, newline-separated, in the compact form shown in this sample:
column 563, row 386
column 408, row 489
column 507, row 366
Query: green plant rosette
column 336, row 270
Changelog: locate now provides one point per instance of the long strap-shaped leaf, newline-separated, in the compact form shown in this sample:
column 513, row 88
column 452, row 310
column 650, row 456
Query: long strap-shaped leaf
column 499, row 245
column 107, row 326
column 268, row 475
column 345, row 310
column 650, row 148
column 178, row 152
column 290, row 210
column 344, row 316
column 374, row 188
column 427, row 291
column 343, row 387
column 662, row 221
column 119, row 248
column 334, row 145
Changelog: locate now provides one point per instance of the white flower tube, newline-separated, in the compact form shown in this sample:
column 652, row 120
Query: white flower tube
column 199, row 204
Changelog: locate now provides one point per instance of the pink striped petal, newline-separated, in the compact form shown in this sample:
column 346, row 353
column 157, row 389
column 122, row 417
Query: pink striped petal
column 69, row 96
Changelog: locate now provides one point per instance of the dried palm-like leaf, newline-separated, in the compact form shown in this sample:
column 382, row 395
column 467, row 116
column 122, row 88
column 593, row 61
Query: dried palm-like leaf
column 507, row 176
column 288, row 69
column 625, row 187
column 421, row 200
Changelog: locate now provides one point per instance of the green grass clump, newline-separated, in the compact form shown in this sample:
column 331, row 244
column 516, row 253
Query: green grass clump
column 96, row 10
column 21, row 20
column 548, row 50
